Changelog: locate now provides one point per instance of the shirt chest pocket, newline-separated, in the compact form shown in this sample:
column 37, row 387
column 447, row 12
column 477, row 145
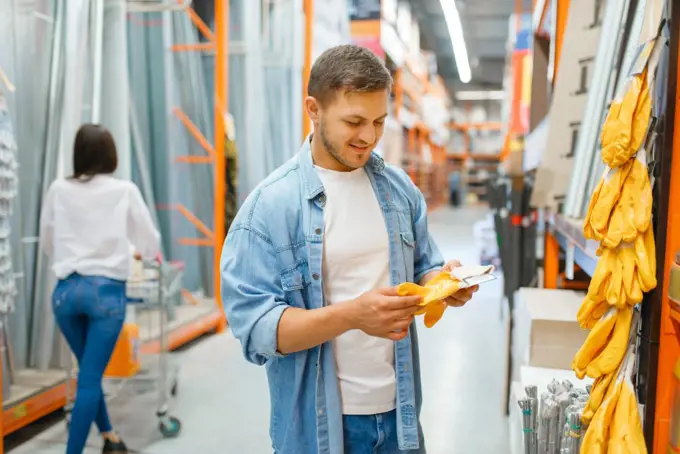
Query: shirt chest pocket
column 294, row 282
column 408, row 247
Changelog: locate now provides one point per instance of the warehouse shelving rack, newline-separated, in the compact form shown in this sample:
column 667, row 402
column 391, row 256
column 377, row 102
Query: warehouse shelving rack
column 50, row 389
column 565, row 244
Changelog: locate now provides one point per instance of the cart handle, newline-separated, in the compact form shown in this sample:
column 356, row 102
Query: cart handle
column 174, row 263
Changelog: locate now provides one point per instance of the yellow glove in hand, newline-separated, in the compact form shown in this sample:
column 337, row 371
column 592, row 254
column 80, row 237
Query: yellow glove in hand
column 434, row 292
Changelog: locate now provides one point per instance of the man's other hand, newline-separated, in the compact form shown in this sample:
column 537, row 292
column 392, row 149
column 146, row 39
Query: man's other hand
column 462, row 296
column 382, row 313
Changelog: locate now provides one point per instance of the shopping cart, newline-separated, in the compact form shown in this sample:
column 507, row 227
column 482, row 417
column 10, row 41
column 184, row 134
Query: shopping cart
column 150, row 290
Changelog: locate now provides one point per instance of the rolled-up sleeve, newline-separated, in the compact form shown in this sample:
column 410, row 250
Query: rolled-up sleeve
column 427, row 255
column 252, row 295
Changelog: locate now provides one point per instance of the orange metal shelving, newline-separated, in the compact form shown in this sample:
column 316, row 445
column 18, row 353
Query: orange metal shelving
column 308, row 8
column 669, row 342
column 53, row 398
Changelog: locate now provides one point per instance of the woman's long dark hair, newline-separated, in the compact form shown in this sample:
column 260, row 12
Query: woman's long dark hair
column 94, row 152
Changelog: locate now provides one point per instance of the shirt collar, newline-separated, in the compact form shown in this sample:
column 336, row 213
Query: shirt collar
column 313, row 184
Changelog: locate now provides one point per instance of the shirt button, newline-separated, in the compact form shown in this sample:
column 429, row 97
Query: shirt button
column 320, row 412
column 322, row 198
column 315, row 276
column 317, row 231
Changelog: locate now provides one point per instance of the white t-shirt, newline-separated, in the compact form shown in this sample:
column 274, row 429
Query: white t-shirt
column 89, row 227
column 356, row 259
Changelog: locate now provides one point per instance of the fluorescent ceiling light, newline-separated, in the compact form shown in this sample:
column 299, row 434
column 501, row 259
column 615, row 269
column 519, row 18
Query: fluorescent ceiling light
column 482, row 95
column 457, row 39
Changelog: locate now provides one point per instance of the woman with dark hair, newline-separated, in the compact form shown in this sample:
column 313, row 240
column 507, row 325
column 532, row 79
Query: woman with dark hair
column 89, row 226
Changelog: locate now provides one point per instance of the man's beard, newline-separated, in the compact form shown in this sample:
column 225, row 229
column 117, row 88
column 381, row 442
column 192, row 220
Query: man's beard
column 332, row 149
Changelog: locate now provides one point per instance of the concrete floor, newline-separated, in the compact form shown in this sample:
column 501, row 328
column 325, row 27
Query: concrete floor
column 223, row 401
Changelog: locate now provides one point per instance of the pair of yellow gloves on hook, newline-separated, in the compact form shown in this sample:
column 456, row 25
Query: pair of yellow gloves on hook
column 435, row 291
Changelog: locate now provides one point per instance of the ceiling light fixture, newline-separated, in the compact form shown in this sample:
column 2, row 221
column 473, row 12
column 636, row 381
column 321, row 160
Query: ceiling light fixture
column 457, row 39
column 481, row 95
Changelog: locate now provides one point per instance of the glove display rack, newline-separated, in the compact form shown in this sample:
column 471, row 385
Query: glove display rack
column 625, row 156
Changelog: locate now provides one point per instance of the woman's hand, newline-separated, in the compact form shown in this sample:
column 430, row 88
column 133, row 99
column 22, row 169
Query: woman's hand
column 462, row 296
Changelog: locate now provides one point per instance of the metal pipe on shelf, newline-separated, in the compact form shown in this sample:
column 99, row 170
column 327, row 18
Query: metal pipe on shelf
column 42, row 333
column 115, row 96
column 97, row 17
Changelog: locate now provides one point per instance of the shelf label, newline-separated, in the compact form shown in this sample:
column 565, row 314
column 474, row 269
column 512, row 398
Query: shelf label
column 20, row 411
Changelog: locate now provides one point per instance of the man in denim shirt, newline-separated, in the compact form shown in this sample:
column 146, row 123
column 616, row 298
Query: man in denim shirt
column 309, row 268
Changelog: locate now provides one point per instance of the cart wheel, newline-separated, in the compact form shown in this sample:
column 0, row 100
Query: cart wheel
column 170, row 429
column 173, row 390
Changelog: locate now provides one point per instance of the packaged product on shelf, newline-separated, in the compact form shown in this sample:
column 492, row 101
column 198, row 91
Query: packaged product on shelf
column 553, row 424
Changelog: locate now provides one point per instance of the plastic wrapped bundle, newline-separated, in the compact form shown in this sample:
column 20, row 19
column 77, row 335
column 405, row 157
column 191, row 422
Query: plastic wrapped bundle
column 8, row 191
column 548, row 431
column 532, row 394
column 527, row 428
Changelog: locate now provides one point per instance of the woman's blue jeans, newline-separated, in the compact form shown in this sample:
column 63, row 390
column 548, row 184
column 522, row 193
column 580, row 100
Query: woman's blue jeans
column 90, row 311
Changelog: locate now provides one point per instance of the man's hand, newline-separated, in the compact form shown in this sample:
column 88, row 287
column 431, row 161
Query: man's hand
column 462, row 296
column 382, row 313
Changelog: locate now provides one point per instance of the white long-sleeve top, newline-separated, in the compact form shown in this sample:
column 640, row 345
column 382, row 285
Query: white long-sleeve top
column 90, row 227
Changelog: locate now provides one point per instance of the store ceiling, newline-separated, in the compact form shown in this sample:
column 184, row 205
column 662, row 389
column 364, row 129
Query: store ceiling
column 485, row 27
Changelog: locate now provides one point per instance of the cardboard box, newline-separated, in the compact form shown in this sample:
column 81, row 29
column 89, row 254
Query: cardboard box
column 546, row 332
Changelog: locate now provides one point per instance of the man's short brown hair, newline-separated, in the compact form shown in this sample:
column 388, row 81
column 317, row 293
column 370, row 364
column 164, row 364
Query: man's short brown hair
column 347, row 67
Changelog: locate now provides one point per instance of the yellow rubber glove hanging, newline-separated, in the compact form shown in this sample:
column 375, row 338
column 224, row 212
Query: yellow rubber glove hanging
column 598, row 437
column 597, row 393
column 627, row 121
column 612, row 355
column 632, row 213
column 595, row 343
column 626, row 434
column 600, row 282
column 645, row 254
column 630, row 279
column 591, row 311
column 603, row 201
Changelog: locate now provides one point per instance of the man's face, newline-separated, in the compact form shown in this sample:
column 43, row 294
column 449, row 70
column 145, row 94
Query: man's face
column 350, row 126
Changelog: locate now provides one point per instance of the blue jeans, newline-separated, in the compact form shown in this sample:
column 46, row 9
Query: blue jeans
column 372, row 434
column 90, row 311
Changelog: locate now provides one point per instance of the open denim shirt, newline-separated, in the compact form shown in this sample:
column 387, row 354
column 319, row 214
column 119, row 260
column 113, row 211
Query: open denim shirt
column 271, row 260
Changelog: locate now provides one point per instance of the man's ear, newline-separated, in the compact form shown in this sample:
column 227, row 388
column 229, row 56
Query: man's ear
column 313, row 109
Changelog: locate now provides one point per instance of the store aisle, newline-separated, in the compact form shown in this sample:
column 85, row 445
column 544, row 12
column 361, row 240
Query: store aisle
column 223, row 400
